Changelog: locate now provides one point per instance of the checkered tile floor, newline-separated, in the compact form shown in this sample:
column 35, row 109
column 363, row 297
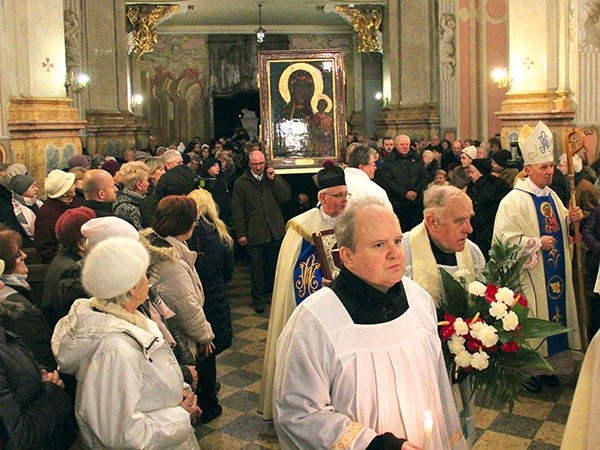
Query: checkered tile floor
column 537, row 423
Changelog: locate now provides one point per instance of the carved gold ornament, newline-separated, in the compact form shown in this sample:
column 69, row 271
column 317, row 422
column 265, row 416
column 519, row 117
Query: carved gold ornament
column 144, row 20
column 365, row 24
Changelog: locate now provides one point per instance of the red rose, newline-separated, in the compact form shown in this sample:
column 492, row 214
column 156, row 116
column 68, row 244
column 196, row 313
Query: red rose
column 490, row 293
column 446, row 332
column 521, row 300
column 510, row 347
column 474, row 345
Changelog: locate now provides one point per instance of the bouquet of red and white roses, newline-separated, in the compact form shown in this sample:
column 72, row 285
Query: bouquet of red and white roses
column 486, row 328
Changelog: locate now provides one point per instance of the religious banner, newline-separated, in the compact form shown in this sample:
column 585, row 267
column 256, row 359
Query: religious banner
column 302, row 107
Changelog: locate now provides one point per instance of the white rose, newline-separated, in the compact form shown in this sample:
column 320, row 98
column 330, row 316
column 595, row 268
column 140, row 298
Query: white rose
column 461, row 275
column 460, row 326
column 477, row 288
column 498, row 310
column 505, row 295
column 510, row 321
column 480, row 360
column 463, row 359
column 456, row 344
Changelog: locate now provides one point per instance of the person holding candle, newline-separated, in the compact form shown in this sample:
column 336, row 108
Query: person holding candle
column 359, row 363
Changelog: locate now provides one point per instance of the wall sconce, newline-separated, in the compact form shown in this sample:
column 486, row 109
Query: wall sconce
column 76, row 83
column 136, row 101
column 501, row 76
column 380, row 98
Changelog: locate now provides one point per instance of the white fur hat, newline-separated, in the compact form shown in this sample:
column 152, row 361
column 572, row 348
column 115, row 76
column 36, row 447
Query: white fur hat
column 114, row 266
column 537, row 144
column 101, row 228
column 57, row 183
column 470, row 151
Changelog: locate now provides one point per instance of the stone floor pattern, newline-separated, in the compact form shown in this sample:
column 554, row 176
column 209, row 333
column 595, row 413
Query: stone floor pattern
column 537, row 423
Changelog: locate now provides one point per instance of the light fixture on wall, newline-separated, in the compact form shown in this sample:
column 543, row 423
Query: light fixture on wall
column 260, row 33
column 380, row 98
column 501, row 76
column 136, row 101
column 76, row 83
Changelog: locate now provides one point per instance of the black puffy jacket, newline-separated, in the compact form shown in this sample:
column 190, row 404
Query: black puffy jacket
column 33, row 414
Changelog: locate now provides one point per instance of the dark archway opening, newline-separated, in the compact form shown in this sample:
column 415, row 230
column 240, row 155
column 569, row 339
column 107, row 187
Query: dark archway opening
column 227, row 111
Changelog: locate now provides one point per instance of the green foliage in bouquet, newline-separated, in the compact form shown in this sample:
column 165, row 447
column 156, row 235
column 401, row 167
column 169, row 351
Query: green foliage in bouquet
column 486, row 329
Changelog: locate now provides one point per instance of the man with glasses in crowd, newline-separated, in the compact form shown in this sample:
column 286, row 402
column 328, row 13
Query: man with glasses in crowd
column 298, row 270
column 362, row 165
column 257, row 221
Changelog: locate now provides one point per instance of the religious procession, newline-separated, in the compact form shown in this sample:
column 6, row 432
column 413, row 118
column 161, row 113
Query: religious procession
column 299, row 225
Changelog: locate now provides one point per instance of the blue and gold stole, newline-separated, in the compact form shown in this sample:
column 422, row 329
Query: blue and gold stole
column 307, row 272
column 554, row 269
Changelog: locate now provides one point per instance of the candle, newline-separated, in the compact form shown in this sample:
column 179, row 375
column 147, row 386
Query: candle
column 427, row 429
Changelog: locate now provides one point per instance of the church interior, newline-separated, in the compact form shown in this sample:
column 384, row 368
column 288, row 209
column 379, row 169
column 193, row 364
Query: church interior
column 102, row 76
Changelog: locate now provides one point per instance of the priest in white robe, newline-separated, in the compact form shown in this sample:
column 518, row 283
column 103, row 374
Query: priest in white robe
column 298, row 272
column 533, row 216
column 440, row 242
column 359, row 363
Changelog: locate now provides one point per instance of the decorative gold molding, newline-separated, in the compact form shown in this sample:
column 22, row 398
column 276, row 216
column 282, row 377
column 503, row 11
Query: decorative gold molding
column 365, row 23
column 144, row 19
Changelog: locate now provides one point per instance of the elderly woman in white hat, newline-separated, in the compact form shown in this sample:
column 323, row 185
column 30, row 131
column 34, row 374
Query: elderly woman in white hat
column 131, row 391
column 60, row 189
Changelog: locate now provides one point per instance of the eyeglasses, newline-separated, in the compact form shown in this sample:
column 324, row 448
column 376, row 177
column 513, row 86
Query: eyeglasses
column 258, row 164
column 19, row 254
column 347, row 195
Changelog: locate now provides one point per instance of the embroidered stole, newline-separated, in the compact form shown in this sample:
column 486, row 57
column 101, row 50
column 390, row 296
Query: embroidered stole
column 307, row 269
column 424, row 267
column 554, row 268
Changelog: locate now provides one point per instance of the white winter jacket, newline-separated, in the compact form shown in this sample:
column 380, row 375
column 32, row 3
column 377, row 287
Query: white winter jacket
column 129, row 384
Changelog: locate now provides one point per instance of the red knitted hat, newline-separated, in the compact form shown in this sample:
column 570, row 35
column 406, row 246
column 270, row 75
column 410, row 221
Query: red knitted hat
column 68, row 225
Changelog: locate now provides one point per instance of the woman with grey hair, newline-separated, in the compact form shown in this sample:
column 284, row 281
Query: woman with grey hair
column 131, row 392
column 134, row 177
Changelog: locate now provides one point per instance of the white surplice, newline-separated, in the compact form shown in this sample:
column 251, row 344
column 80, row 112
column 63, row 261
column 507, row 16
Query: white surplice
column 339, row 384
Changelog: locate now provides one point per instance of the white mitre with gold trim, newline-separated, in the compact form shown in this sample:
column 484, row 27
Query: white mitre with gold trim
column 537, row 144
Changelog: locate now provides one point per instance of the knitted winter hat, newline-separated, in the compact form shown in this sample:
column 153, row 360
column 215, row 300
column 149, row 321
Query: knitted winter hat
column 483, row 165
column 470, row 151
column 501, row 156
column 68, row 225
column 11, row 171
column 79, row 161
column 102, row 228
column 114, row 266
column 20, row 183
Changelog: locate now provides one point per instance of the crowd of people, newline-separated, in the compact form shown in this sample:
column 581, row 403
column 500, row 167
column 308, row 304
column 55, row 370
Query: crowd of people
column 121, row 348
column 139, row 250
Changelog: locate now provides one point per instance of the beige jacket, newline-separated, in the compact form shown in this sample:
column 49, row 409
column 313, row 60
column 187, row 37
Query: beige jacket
column 172, row 272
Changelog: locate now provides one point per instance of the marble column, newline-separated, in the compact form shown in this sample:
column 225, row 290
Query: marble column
column 410, row 76
column 538, row 65
column 112, row 127
column 39, row 124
